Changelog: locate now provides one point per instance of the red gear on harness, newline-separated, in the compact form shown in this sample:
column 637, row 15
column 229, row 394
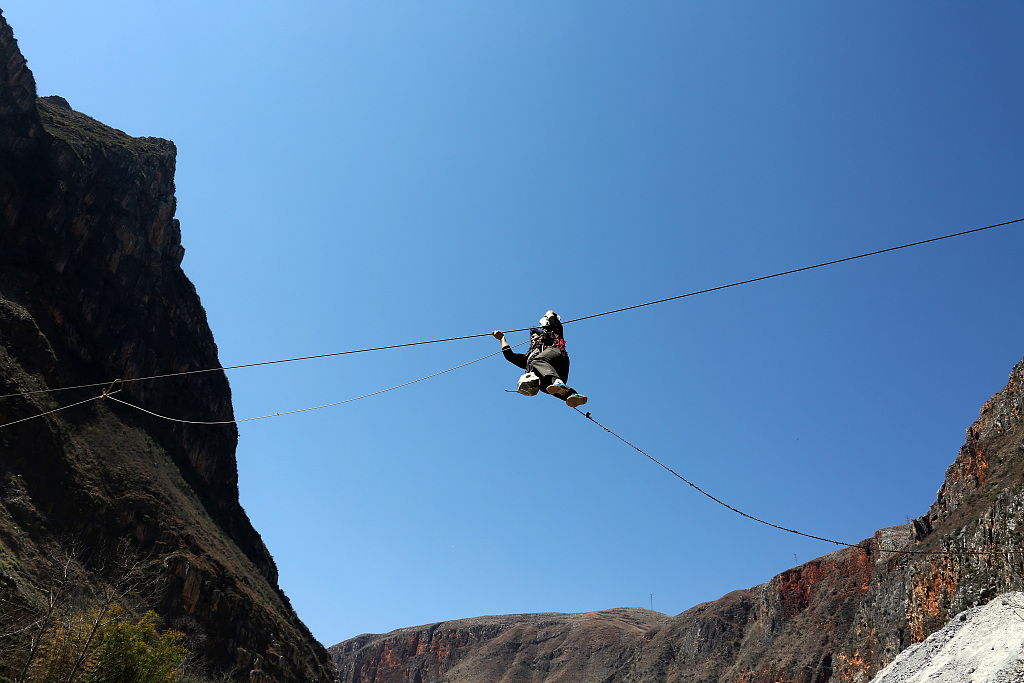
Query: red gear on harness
column 542, row 338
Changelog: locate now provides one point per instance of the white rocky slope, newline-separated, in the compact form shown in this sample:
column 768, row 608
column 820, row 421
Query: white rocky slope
column 981, row 645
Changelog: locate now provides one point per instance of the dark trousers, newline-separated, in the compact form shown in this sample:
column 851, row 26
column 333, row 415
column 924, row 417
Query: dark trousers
column 550, row 364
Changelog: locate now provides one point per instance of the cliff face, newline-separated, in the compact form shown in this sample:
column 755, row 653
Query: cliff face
column 91, row 290
column 837, row 619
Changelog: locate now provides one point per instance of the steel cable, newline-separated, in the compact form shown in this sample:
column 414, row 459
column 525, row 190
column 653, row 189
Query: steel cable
column 524, row 329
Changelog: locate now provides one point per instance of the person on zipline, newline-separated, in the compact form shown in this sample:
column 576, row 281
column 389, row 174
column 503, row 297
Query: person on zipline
column 546, row 362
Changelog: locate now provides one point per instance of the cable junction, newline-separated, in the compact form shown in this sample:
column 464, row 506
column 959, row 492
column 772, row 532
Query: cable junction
column 524, row 329
column 108, row 393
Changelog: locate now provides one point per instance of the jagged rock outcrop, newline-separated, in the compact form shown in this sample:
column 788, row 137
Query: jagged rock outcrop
column 91, row 290
column 838, row 619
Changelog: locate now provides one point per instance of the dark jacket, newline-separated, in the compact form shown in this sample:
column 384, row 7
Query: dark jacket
column 546, row 352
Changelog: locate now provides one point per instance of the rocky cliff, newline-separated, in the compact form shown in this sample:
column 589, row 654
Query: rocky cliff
column 837, row 619
column 91, row 290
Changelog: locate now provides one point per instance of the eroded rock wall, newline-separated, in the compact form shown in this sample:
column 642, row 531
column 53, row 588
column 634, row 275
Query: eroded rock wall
column 92, row 291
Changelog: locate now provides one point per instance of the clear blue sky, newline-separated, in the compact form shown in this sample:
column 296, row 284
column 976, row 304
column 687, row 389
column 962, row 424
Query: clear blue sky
column 356, row 174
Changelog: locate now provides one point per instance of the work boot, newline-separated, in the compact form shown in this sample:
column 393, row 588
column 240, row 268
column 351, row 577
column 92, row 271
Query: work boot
column 558, row 388
column 575, row 400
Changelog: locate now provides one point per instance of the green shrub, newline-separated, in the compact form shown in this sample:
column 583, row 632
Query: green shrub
column 136, row 653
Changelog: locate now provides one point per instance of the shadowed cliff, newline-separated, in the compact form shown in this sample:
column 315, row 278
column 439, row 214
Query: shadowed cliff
column 91, row 290
column 837, row 619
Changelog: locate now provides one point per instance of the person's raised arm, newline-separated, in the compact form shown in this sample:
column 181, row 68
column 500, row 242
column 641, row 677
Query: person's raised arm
column 500, row 336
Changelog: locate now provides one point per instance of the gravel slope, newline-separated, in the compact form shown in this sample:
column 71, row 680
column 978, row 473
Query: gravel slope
column 981, row 645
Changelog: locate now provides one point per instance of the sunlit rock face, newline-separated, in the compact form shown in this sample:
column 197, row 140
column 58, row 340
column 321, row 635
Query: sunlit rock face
column 92, row 291
column 523, row 647
column 838, row 619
